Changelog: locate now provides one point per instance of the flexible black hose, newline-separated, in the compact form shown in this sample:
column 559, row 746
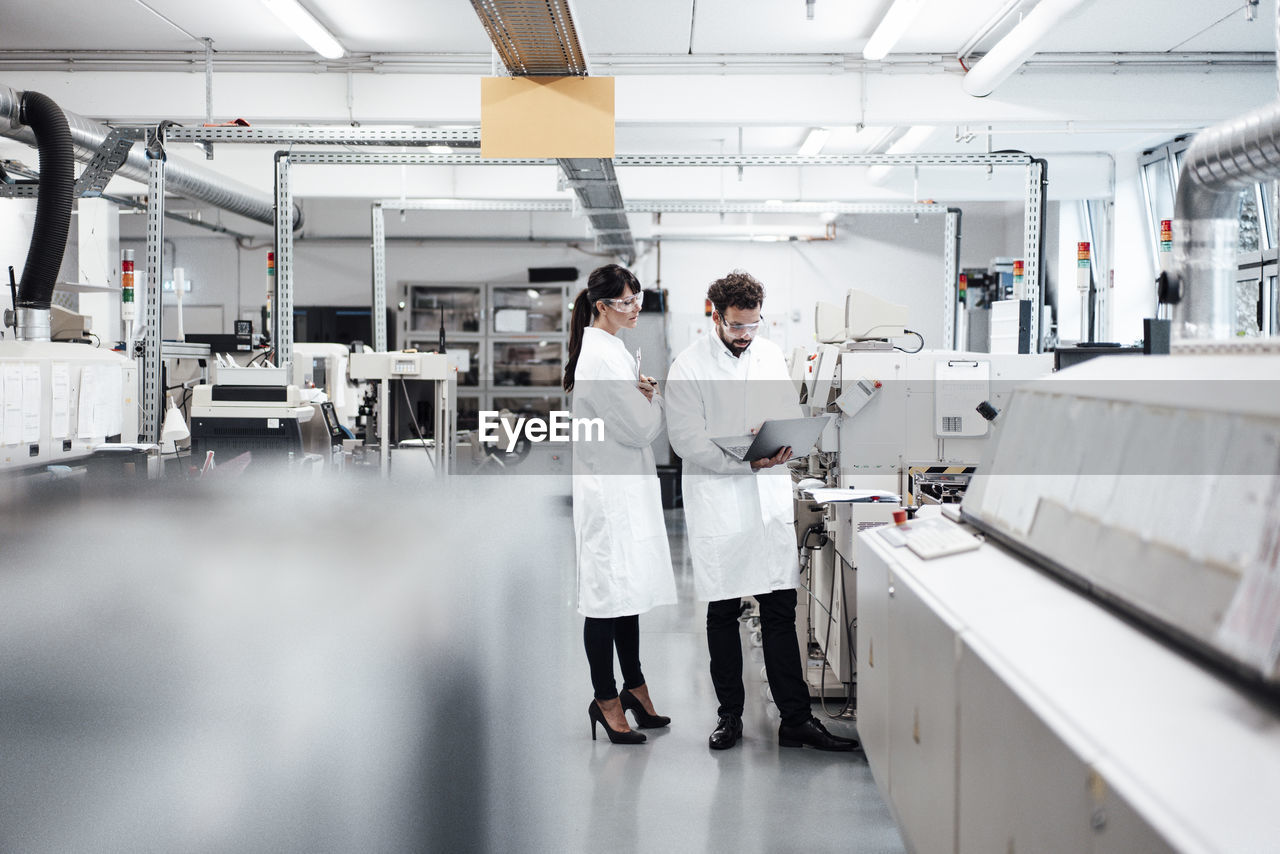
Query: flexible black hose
column 53, row 205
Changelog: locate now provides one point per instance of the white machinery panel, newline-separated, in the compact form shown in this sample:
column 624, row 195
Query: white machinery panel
column 58, row 401
column 902, row 424
column 409, row 366
column 1157, row 482
column 1070, row 731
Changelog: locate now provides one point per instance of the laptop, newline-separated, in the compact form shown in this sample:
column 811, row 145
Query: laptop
column 799, row 434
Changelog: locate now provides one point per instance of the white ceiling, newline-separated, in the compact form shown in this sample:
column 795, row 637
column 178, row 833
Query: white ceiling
column 606, row 27
column 694, row 76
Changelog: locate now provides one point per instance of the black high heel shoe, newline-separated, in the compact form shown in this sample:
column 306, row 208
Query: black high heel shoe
column 615, row 736
column 643, row 718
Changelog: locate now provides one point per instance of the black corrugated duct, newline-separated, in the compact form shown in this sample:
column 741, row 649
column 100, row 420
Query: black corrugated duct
column 53, row 206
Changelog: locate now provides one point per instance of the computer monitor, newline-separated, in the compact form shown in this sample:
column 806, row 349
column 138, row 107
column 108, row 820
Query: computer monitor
column 828, row 323
column 867, row 317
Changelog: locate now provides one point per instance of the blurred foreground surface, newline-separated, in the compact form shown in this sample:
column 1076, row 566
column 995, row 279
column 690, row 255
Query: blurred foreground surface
column 262, row 665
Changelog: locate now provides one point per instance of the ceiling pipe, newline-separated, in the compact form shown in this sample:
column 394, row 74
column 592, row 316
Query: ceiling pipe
column 1017, row 46
column 1221, row 162
column 183, row 179
column 892, row 27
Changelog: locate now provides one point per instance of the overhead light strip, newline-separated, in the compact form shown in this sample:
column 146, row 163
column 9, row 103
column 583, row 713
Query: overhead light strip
column 909, row 142
column 306, row 27
column 814, row 142
column 893, row 26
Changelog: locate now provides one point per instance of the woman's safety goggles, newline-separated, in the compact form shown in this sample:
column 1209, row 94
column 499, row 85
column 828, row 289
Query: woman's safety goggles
column 633, row 301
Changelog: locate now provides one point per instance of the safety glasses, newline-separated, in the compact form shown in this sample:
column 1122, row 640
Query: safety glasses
column 743, row 328
column 633, row 301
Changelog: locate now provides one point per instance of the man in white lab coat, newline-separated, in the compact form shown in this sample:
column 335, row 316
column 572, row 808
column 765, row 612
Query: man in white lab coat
column 739, row 515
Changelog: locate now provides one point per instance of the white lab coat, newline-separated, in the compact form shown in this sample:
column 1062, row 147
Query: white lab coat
column 624, row 562
column 741, row 523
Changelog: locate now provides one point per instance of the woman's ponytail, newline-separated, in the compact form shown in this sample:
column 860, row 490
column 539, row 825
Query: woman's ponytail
column 578, row 321
column 604, row 283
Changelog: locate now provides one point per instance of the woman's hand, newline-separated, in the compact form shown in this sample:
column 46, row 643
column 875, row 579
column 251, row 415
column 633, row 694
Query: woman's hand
column 648, row 387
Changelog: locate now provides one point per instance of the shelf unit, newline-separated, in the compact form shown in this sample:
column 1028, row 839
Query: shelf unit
column 516, row 337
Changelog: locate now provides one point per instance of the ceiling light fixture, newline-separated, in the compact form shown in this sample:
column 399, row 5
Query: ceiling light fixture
column 307, row 28
column 814, row 141
column 891, row 28
column 907, row 143
column 1017, row 46
column 439, row 149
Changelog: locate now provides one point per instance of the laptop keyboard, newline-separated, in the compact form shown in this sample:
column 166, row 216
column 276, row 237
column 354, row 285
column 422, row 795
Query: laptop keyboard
column 738, row 451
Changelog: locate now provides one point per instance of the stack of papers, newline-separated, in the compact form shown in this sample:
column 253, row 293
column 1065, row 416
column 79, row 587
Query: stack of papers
column 827, row 495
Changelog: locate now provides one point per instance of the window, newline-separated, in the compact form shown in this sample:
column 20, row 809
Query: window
column 1159, row 169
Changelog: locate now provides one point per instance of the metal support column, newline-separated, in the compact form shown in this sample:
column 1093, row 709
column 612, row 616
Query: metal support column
column 282, row 321
column 951, row 278
column 384, row 426
column 1031, row 232
column 444, row 427
column 152, row 385
column 379, row 279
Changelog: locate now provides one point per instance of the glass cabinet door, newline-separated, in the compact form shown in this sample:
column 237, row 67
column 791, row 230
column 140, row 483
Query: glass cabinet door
column 462, row 306
column 528, row 310
column 528, row 363
column 529, row 407
column 468, row 412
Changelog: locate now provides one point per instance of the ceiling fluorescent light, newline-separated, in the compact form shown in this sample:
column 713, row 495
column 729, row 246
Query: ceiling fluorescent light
column 909, row 142
column 892, row 27
column 814, row 141
column 1017, row 46
column 306, row 27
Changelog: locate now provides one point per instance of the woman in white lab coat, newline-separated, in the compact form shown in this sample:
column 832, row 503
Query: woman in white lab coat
column 624, row 563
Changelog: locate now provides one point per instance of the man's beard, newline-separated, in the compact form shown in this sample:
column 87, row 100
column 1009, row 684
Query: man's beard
column 735, row 348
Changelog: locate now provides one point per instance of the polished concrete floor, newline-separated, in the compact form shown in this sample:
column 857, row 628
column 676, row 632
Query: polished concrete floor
column 360, row 668
column 675, row 794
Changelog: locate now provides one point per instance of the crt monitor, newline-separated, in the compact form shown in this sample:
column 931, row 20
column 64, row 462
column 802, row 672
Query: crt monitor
column 867, row 317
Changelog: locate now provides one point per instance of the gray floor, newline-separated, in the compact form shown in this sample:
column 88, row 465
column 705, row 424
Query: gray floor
column 301, row 667
column 675, row 794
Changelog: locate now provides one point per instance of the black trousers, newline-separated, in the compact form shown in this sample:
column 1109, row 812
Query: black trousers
column 601, row 637
column 781, row 655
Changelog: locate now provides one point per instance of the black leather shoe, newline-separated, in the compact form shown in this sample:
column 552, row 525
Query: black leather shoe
column 814, row 734
column 728, row 731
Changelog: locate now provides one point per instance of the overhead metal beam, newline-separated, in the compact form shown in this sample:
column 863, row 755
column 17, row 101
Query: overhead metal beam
column 417, row 158
column 328, row 135
column 720, row 64
column 664, row 206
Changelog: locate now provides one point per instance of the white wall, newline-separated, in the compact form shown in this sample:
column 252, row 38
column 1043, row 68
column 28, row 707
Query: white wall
column 892, row 257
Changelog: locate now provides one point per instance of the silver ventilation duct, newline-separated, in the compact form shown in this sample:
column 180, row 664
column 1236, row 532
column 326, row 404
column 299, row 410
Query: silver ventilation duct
column 183, row 179
column 1221, row 162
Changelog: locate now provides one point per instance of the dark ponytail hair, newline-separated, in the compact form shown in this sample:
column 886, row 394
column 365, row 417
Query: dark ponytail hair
column 607, row 282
